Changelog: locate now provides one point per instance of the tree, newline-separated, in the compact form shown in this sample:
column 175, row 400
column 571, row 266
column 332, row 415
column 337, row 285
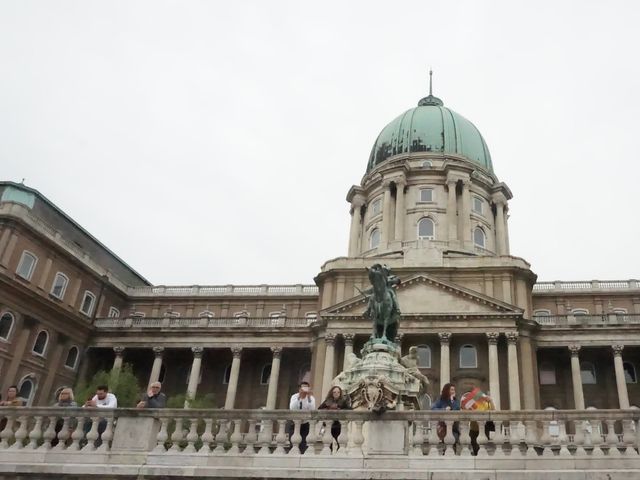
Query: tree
column 123, row 384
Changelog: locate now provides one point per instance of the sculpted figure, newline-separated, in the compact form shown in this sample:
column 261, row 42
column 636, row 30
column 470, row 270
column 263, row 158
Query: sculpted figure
column 410, row 361
column 353, row 361
column 383, row 309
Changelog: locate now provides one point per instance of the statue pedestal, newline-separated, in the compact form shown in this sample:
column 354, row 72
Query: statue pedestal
column 385, row 438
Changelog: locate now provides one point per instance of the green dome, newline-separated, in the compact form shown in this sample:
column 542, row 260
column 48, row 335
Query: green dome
column 430, row 127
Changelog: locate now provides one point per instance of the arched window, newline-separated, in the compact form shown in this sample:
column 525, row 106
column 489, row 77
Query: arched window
column 72, row 358
column 468, row 357
column 547, row 373
column 27, row 265
column 542, row 312
column 580, row 311
column 6, row 325
column 87, row 303
column 426, row 228
column 588, row 373
column 59, row 286
column 206, row 313
column 629, row 372
column 374, row 238
column 113, row 312
column 426, row 402
column 427, row 164
column 40, row 345
column 424, row 356
column 265, row 375
column 26, row 390
column 227, row 375
column 479, row 238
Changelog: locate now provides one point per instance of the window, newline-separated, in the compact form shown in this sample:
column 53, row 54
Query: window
column 27, row 265
column 87, row 303
column 620, row 311
column 580, row 311
column 26, row 390
column 374, row 238
column 479, row 238
column 588, row 373
column 6, row 325
column 241, row 314
column 424, row 356
column 478, row 205
column 426, row 228
column 426, row 195
column 427, row 164
column 227, row 375
column 59, row 286
column 40, row 345
column 468, row 357
column 629, row 372
column 113, row 312
column 72, row 358
column 206, row 313
column 265, row 375
column 547, row 374
column 543, row 312
column 137, row 314
column 376, row 207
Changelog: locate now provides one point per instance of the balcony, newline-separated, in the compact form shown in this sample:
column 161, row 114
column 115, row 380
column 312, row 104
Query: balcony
column 134, row 323
column 254, row 444
column 588, row 321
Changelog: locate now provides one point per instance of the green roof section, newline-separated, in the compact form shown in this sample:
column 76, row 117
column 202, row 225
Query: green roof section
column 430, row 127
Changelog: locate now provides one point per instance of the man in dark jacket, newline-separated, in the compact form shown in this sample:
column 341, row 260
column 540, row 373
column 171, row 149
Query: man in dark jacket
column 154, row 398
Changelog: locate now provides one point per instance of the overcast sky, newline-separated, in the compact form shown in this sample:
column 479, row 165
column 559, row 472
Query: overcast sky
column 214, row 142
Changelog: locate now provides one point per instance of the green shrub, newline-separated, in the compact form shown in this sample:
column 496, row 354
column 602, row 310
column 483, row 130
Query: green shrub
column 124, row 385
column 203, row 401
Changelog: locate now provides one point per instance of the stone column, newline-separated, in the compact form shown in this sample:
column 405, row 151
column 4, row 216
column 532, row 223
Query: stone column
column 234, row 375
column 53, row 363
column 505, row 221
column 578, row 395
column 466, row 214
column 387, row 227
column 514, row 374
column 494, row 371
column 348, row 349
column 530, row 382
column 273, row 379
column 42, row 284
column 400, row 210
column 356, row 225
column 500, row 245
column 192, row 386
column 18, row 353
column 117, row 361
column 452, row 215
column 6, row 255
column 158, row 352
column 329, row 360
column 621, row 382
column 445, row 360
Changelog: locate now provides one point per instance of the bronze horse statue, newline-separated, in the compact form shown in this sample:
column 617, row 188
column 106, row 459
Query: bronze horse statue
column 383, row 307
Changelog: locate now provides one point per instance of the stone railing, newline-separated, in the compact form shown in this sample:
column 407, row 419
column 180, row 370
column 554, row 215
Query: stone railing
column 586, row 286
column 224, row 290
column 248, row 443
column 203, row 322
column 610, row 319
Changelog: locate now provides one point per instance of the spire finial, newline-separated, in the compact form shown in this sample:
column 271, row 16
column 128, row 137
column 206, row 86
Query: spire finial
column 430, row 100
column 430, row 82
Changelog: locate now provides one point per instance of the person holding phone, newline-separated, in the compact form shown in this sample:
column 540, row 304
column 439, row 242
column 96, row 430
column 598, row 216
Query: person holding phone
column 303, row 400
column 447, row 402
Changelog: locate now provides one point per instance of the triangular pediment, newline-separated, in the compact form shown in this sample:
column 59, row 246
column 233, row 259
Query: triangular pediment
column 425, row 295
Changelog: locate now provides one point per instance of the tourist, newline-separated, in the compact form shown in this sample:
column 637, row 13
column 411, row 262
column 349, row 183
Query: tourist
column 102, row 398
column 303, row 400
column 154, row 398
column 12, row 398
column 336, row 400
column 447, row 402
column 65, row 400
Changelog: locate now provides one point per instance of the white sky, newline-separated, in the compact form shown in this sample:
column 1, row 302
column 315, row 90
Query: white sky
column 214, row 142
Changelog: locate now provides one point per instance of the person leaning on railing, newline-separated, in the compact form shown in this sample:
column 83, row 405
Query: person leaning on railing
column 336, row 400
column 303, row 400
column 154, row 398
column 65, row 400
column 447, row 402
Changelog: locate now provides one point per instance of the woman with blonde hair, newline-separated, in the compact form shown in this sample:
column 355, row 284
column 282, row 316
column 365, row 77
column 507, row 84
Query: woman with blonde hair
column 65, row 398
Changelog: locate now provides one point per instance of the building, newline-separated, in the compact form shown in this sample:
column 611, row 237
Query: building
column 429, row 206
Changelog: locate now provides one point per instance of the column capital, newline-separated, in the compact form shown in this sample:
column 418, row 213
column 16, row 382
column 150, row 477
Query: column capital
column 492, row 337
column 330, row 338
column 197, row 352
column 158, row 351
column 617, row 350
column 444, row 337
column 118, row 351
column 236, row 352
column 512, row 337
column 348, row 338
column 574, row 349
column 277, row 352
column 400, row 181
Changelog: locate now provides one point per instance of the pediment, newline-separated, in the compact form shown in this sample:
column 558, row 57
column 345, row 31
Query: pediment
column 425, row 295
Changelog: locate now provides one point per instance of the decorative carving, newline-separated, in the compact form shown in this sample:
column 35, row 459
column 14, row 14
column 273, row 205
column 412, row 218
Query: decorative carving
column 512, row 337
column 118, row 351
column 445, row 337
column 236, row 352
column 330, row 339
column 617, row 349
column 375, row 393
column 197, row 352
column 399, row 338
column 158, row 351
column 574, row 349
column 277, row 352
column 348, row 339
column 492, row 337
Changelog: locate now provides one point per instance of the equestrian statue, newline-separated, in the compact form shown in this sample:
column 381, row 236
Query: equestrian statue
column 382, row 309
